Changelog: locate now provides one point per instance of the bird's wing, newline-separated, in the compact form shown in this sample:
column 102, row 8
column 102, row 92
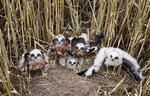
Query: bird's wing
column 127, row 64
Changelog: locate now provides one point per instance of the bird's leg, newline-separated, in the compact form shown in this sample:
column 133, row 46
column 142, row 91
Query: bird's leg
column 53, row 60
column 114, row 71
column 28, row 78
column 44, row 71
column 107, row 71
column 53, row 63
column 78, row 68
column 44, row 74
column 81, row 61
column 118, row 71
column 62, row 61
column 87, row 59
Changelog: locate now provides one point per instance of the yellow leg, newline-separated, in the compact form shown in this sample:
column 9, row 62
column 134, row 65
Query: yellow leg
column 44, row 74
column 53, row 63
column 118, row 70
column 114, row 71
column 107, row 71
column 28, row 77
column 86, row 59
column 85, row 78
column 78, row 68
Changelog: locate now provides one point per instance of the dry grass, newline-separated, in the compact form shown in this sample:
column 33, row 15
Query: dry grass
column 28, row 24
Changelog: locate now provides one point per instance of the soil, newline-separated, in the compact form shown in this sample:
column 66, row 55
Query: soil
column 62, row 81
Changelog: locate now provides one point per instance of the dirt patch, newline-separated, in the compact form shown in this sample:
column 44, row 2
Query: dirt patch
column 65, row 82
column 62, row 81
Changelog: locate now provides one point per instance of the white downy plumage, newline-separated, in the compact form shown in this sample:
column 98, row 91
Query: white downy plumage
column 34, row 59
column 110, row 56
column 71, row 62
column 85, row 37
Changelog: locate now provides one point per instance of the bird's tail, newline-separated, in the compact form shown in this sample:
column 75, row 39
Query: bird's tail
column 133, row 69
column 95, row 43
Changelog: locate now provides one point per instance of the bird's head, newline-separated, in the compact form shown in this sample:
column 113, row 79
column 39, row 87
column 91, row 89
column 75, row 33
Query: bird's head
column 80, row 47
column 72, row 62
column 114, row 56
column 36, row 54
column 59, row 40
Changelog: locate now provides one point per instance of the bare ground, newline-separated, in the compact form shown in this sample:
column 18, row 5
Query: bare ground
column 61, row 81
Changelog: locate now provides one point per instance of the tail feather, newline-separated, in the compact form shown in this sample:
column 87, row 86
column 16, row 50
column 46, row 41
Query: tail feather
column 132, row 69
column 136, row 75
column 96, row 43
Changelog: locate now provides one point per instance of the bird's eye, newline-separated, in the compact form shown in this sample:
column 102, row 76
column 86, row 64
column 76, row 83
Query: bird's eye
column 111, row 56
column 56, row 39
column 116, row 58
column 76, row 47
column 69, row 62
column 32, row 55
column 82, row 48
column 74, row 63
column 38, row 55
column 63, row 40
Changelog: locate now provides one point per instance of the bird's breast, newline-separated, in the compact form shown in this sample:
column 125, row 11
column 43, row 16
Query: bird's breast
column 79, row 55
column 36, row 65
column 60, row 50
column 109, row 62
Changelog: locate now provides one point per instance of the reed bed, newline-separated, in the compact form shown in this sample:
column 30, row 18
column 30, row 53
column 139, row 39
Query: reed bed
column 28, row 24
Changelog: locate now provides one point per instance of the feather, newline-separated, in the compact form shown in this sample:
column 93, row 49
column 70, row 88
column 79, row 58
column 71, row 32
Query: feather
column 95, row 43
column 99, row 59
column 110, row 56
column 82, row 72
column 33, row 60
column 97, row 40
column 127, row 64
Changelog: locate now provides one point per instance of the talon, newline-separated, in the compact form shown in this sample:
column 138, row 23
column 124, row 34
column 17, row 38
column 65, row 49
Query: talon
column 87, row 60
column 28, row 79
column 113, row 73
column 106, row 73
column 44, row 74
column 78, row 68
column 53, row 63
